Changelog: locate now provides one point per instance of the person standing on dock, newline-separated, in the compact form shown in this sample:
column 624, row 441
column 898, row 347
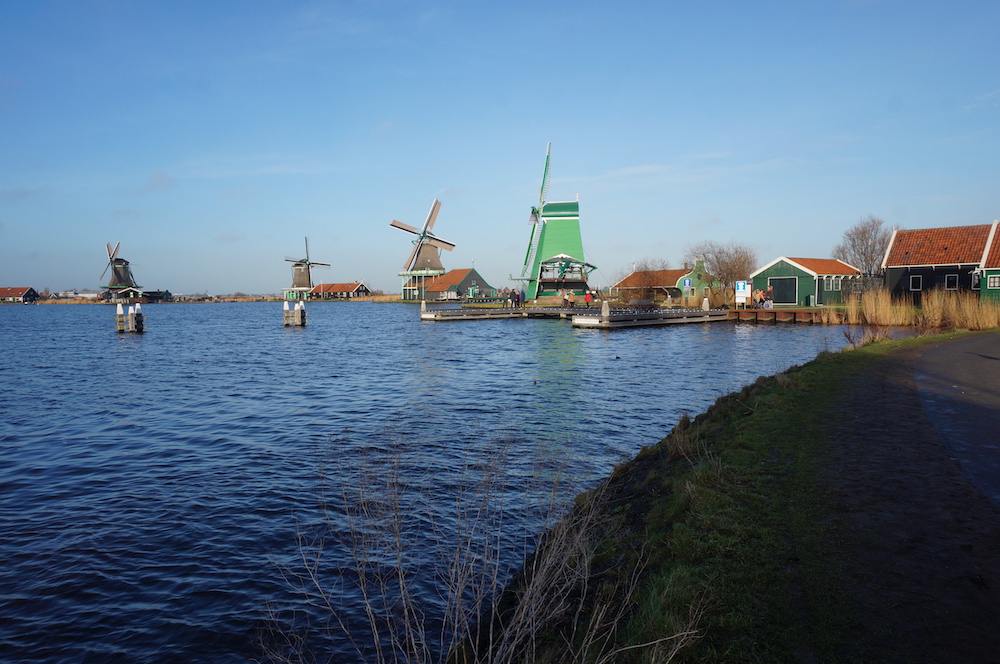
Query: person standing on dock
column 572, row 299
column 587, row 299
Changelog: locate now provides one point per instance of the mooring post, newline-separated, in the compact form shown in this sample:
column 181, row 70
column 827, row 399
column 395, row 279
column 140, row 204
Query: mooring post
column 120, row 318
column 136, row 317
column 704, row 305
column 287, row 315
column 605, row 311
column 423, row 306
column 301, row 314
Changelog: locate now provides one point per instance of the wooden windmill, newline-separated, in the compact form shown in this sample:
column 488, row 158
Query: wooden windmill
column 554, row 261
column 122, row 284
column 302, row 282
column 425, row 259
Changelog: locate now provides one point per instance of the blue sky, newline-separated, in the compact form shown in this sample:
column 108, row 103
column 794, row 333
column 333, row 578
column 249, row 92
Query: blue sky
column 209, row 138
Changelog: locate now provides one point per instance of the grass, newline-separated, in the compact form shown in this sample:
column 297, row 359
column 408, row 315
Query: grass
column 735, row 539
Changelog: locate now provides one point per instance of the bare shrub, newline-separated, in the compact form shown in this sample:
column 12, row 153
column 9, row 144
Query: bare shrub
column 494, row 603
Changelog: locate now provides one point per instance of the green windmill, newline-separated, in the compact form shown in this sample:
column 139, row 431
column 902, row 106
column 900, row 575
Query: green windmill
column 554, row 261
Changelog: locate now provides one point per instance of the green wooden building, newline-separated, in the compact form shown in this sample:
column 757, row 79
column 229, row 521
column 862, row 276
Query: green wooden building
column 803, row 282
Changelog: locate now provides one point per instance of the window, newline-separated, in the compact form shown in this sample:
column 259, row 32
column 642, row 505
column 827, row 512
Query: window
column 916, row 282
column 828, row 283
column 975, row 281
column 951, row 282
column 993, row 281
column 836, row 283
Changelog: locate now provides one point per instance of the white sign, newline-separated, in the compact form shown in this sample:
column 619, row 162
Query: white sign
column 687, row 283
column 742, row 292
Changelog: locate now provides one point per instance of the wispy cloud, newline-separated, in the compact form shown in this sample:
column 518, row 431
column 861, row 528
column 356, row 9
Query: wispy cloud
column 989, row 100
column 156, row 181
column 19, row 193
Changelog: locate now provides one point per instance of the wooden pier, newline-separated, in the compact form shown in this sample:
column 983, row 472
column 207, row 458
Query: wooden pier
column 592, row 317
column 776, row 315
column 607, row 318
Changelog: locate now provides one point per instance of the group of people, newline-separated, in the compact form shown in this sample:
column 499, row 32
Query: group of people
column 569, row 299
column 762, row 298
column 515, row 298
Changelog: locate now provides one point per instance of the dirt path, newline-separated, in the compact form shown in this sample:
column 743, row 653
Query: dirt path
column 922, row 542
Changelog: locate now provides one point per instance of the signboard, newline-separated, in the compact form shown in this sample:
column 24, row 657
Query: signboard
column 742, row 292
column 687, row 282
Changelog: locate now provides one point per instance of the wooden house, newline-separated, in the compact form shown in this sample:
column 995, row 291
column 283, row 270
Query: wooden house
column 989, row 271
column 685, row 287
column 954, row 258
column 18, row 294
column 804, row 282
column 453, row 285
column 346, row 291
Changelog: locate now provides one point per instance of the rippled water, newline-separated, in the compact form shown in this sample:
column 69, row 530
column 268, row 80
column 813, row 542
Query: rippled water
column 151, row 486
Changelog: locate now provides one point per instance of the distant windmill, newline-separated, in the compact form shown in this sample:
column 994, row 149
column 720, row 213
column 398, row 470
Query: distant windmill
column 302, row 275
column 425, row 259
column 121, row 273
column 425, row 254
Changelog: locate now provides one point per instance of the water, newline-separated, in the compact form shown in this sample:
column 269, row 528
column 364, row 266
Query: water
column 152, row 487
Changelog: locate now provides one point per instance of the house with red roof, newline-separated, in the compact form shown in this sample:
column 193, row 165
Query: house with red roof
column 685, row 287
column 346, row 291
column 18, row 294
column 804, row 282
column 454, row 285
column 954, row 258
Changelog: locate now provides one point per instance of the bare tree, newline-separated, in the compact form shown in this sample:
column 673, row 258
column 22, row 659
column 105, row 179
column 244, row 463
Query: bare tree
column 864, row 245
column 728, row 262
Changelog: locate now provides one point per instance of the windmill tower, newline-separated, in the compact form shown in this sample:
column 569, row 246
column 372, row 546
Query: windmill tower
column 302, row 282
column 122, row 285
column 554, row 261
column 425, row 259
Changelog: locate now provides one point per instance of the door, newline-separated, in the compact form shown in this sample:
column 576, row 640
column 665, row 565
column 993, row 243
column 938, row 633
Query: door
column 784, row 290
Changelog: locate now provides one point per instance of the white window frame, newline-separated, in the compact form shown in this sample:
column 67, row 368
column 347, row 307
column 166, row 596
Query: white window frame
column 993, row 281
column 836, row 283
column 917, row 279
column 954, row 279
column 976, row 278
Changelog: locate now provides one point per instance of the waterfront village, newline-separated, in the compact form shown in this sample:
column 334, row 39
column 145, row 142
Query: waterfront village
column 555, row 272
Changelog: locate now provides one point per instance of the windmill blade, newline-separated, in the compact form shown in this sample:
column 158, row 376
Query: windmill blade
column 314, row 264
column 114, row 253
column 307, row 250
column 407, row 266
column 405, row 227
column 545, row 176
column 105, row 270
column 439, row 243
column 432, row 215
column 296, row 260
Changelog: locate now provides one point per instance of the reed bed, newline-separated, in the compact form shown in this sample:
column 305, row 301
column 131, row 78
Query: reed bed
column 939, row 310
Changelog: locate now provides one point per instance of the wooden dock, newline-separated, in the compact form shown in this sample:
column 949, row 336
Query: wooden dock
column 592, row 317
column 607, row 318
column 776, row 315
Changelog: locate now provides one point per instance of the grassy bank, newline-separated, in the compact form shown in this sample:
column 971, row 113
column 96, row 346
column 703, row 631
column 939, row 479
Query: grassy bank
column 732, row 533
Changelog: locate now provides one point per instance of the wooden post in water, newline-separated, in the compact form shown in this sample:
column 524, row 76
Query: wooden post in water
column 605, row 311
column 130, row 322
column 135, row 319
column 295, row 317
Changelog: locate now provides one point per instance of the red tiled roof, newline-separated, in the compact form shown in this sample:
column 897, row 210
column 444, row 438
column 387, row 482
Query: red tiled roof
column 652, row 279
column 448, row 280
column 337, row 288
column 14, row 291
column 993, row 258
column 954, row 245
column 826, row 266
